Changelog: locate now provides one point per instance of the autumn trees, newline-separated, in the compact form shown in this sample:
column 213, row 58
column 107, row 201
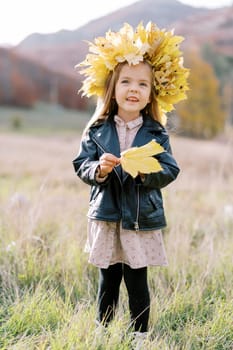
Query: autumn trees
column 24, row 82
column 203, row 114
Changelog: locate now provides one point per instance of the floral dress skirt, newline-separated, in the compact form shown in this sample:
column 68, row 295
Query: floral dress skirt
column 108, row 243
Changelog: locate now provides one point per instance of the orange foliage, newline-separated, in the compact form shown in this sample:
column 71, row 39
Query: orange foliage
column 201, row 115
column 23, row 82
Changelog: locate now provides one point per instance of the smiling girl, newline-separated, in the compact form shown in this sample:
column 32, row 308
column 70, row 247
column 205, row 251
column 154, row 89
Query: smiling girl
column 126, row 214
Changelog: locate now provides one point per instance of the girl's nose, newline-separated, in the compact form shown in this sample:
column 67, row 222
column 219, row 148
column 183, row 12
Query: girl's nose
column 133, row 89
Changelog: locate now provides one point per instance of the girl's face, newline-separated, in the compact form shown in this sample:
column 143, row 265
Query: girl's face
column 133, row 90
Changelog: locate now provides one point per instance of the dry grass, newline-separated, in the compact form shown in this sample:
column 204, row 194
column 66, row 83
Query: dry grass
column 43, row 267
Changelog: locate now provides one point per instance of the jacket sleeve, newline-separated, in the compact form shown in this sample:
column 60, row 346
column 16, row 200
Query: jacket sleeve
column 170, row 168
column 87, row 161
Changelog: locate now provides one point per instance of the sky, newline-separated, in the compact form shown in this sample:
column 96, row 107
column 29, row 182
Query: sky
column 20, row 18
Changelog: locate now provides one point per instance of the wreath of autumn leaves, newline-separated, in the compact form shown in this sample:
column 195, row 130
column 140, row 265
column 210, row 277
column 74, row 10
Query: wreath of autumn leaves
column 159, row 47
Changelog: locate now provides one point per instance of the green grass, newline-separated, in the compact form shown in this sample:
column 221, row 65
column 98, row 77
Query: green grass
column 42, row 119
column 47, row 288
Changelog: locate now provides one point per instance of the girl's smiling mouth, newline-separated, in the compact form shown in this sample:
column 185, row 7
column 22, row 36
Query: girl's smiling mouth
column 132, row 99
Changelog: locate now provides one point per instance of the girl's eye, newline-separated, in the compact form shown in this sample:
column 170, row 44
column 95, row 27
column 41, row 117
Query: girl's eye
column 127, row 81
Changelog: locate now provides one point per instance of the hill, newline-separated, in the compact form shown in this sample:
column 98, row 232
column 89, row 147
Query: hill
column 62, row 50
column 42, row 65
column 24, row 81
column 213, row 27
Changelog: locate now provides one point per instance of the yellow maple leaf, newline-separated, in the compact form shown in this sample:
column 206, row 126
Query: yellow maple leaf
column 140, row 159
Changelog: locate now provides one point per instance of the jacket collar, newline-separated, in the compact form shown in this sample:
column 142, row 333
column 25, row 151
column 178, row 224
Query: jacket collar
column 105, row 133
column 105, row 136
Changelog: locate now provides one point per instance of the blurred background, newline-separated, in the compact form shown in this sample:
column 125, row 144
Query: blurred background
column 47, row 288
column 39, row 84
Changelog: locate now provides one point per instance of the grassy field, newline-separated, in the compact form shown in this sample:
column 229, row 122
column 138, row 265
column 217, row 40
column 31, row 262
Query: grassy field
column 47, row 288
column 42, row 119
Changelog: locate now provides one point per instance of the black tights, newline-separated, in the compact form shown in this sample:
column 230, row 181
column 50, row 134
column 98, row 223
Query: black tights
column 138, row 293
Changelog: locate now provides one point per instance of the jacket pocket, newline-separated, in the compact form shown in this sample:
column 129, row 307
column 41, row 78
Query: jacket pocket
column 156, row 200
column 95, row 192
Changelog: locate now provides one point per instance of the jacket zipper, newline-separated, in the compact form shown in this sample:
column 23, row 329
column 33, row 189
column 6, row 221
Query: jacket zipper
column 136, row 224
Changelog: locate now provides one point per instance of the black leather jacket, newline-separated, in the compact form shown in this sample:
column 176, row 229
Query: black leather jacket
column 120, row 197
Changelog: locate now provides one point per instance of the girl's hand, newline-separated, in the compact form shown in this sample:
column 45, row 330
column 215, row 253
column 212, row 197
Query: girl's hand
column 107, row 162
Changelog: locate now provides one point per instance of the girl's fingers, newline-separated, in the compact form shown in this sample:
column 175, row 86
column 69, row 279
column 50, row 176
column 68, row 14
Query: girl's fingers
column 108, row 159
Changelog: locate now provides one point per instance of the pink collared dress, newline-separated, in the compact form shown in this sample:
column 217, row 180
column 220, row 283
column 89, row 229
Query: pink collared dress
column 108, row 243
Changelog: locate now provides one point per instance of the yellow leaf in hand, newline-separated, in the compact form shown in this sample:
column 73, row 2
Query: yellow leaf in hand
column 140, row 159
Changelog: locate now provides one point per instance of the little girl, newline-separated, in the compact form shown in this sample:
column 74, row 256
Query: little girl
column 138, row 76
